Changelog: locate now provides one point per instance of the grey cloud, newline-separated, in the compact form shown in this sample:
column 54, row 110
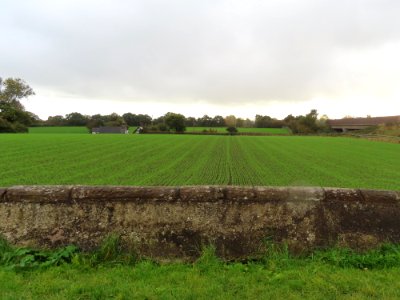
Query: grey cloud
column 215, row 51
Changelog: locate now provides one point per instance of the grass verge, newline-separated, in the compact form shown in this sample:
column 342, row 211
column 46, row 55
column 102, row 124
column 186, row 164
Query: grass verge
column 111, row 273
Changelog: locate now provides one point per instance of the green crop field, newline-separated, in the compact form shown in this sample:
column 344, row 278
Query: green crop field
column 59, row 129
column 280, row 131
column 194, row 160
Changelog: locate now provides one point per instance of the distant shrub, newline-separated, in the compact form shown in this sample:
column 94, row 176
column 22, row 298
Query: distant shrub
column 5, row 126
column 232, row 130
column 18, row 127
column 307, row 124
column 210, row 130
column 162, row 127
column 8, row 127
column 175, row 121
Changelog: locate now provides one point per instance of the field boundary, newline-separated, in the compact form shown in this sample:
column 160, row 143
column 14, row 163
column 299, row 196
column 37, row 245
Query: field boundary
column 377, row 137
column 218, row 133
column 176, row 222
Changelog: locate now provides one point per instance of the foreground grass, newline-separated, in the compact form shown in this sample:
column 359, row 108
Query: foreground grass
column 146, row 280
column 333, row 274
column 169, row 160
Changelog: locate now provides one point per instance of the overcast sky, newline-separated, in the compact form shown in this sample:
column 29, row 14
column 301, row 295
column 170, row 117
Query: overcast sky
column 205, row 57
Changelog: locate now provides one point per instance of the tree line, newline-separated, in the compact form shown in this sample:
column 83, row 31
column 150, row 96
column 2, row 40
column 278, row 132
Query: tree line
column 14, row 117
column 309, row 123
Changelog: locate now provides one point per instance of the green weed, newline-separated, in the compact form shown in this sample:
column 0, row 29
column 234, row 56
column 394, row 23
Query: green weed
column 109, row 253
column 386, row 256
column 208, row 260
column 112, row 252
column 27, row 258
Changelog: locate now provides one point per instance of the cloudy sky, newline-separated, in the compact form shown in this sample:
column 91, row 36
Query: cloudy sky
column 272, row 57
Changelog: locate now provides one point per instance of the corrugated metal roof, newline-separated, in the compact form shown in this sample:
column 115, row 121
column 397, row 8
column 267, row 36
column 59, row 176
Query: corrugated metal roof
column 364, row 121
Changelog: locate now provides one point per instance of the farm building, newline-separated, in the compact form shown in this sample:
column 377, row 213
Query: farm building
column 107, row 129
column 348, row 124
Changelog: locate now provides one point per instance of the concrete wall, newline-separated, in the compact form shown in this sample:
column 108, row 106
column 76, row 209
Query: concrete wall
column 175, row 222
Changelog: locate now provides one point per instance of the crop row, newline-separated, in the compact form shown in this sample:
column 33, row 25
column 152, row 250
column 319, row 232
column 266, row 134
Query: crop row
column 195, row 160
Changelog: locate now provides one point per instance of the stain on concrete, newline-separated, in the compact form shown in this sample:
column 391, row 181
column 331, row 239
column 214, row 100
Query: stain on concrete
column 176, row 222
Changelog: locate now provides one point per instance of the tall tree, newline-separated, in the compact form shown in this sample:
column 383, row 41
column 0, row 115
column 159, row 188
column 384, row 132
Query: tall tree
column 218, row 121
column 175, row 121
column 13, row 117
column 306, row 124
column 191, row 122
column 12, row 90
column 230, row 121
column 76, row 119
column 55, row 121
column 204, row 121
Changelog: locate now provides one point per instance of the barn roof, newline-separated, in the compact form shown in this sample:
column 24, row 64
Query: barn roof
column 364, row 121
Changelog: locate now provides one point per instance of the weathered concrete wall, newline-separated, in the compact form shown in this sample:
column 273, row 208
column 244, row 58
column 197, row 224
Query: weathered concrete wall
column 168, row 223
